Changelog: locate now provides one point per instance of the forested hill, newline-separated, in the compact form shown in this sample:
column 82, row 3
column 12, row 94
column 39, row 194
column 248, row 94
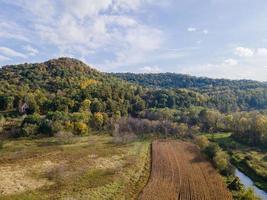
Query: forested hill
column 67, row 95
column 226, row 95
column 70, row 86
column 172, row 80
column 65, row 85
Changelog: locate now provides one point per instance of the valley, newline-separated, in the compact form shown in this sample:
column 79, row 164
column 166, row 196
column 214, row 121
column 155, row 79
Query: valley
column 68, row 131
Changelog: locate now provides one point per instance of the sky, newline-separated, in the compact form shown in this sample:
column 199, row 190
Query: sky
column 212, row 38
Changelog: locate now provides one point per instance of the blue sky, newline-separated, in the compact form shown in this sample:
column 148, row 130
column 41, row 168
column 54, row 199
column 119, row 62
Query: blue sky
column 214, row 38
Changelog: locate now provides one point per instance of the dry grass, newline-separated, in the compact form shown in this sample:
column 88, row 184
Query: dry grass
column 90, row 168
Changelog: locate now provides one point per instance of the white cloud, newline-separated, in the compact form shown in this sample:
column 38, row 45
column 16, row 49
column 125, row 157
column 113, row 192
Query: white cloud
column 83, row 27
column 126, row 4
column 251, row 64
column 191, row 29
column 150, row 69
column 11, row 53
column 222, row 70
column 261, row 51
column 244, row 52
column 30, row 50
column 205, row 31
column 231, row 62
column 86, row 8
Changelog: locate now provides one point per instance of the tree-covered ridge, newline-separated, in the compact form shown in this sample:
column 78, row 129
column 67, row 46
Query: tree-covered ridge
column 173, row 80
column 225, row 95
column 66, row 94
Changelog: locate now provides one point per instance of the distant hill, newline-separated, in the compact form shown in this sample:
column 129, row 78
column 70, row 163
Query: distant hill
column 172, row 80
column 227, row 95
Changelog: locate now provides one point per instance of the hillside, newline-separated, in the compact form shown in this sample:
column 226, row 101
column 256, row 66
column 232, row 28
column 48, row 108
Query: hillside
column 226, row 95
column 61, row 84
column 173, row 80
column 65, row 92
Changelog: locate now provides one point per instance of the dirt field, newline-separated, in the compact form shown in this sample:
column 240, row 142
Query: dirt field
column 180, row 172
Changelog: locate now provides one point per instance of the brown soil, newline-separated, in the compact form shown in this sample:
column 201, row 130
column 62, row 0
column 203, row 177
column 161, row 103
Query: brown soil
column 179, row 171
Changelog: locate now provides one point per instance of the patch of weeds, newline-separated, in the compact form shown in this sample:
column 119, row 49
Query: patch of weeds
column 57, row 174
column 96, row 178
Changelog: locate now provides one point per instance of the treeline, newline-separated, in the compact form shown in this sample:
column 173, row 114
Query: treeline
column 225, row 95
column 128, row 128
column 79, row 123
column 173, row 80
column 247, row 127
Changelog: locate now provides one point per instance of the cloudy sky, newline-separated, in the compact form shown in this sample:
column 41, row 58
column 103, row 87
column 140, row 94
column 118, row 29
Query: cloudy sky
column 214, row 38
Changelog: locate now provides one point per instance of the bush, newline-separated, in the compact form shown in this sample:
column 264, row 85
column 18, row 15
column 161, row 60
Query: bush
column 80, row 128
column 65, row 137
column 29, row 130
column 248, row 194
column 32, row 119
column 221, row 160
column 46, row 127
column 212, row 149
column 235, row 184
column 202, row 142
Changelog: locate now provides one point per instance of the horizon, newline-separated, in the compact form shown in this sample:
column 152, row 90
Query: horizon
column 126, row 72
column 214, row 39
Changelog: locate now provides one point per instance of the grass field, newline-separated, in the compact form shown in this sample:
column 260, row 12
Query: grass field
column 251, row 161
column 179, row 171
column 90, row 167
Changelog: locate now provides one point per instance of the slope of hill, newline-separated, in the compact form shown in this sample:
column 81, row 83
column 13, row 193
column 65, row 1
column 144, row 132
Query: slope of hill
column 226, row 95
column 172, row 80
column 62, row 84
column 65, row 92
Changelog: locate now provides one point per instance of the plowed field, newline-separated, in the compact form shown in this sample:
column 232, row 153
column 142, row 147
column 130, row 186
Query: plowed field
column 180, row 172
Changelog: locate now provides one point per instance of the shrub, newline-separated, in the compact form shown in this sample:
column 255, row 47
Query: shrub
column 80, row 128
column 202, row 142
column 29, row 130
column 64, row 137
column 248, row 194
column 32, row 119
column 46, row 127
column 212, row 149
column 235, row 184
column 98, row 120
column 221, row 160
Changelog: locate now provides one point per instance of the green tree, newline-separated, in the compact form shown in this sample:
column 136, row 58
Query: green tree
column 97, row 106
column 80, row 128
column 98, row 120
column 221, row 160
column 202, row 142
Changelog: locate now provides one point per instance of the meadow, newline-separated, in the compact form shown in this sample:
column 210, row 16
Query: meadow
column 89, row 167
